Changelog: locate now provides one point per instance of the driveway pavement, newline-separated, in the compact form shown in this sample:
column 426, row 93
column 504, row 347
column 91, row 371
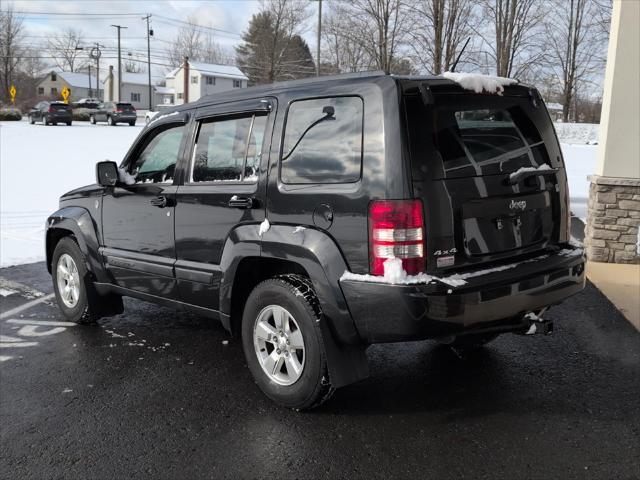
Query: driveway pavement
column 157, row 394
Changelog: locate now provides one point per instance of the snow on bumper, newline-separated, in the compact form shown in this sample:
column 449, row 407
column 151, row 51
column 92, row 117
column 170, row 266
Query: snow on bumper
column 497, row 299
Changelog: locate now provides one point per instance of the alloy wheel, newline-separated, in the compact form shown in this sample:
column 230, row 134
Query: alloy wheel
column 68, row 280
column 279, row 345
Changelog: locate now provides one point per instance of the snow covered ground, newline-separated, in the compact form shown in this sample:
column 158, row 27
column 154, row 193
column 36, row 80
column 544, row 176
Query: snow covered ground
column 38, row 164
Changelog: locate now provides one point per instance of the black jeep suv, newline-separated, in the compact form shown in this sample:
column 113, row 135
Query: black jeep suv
column 317, row 217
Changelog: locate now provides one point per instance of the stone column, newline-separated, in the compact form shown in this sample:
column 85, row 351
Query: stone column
column 613, row 222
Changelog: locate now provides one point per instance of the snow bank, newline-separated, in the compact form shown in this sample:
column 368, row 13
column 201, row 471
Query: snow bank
column 264, row 227
column 577, row 133
column 480, row 83
column 580, row 162
column 38, row 165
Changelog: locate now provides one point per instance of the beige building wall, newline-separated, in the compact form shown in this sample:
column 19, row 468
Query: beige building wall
column 619, row 153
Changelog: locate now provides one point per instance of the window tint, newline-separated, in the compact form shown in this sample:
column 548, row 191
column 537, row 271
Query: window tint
column 157, row 162
column 229, row 150
column 323, row 141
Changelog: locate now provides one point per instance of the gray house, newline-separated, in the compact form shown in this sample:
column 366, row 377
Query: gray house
column 81, row 85
column 135, row 90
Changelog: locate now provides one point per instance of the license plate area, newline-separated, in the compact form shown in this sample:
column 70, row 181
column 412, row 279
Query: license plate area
column 497, row 225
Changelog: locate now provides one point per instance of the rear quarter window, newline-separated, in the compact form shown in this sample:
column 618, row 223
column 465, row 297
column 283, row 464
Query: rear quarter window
column 322, row 141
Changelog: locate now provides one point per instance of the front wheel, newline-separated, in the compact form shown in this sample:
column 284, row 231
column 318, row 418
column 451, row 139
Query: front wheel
column 92, row 119
column 133, row 124
column 110, row 122
column 31, row 120
column 75, row 293
column 69, row 124
column 283, row 343
column 45, row 120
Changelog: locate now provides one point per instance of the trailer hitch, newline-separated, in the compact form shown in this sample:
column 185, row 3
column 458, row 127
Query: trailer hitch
column 537, row 324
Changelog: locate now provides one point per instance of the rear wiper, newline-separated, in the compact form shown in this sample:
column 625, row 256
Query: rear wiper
column 526, row 172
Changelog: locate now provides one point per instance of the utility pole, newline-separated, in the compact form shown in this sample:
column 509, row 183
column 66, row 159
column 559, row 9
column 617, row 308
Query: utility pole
column 119, row 27
column 89, row 70
column 319, row 35
column 149, row 33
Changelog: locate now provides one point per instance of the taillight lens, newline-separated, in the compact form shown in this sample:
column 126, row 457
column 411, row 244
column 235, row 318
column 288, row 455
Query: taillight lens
column 119, row 110
column 51, row 110
column 396, row 230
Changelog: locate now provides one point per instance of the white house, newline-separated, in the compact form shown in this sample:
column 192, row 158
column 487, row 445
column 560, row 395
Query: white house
column 81, row 85
column 135, row 90
column 204, row 79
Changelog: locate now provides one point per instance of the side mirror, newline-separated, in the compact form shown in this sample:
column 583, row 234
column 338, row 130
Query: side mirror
column 107, row 173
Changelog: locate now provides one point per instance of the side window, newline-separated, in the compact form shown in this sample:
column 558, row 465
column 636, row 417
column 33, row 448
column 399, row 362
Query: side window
column 229, row 149
column 323, row 141
column 157, row 161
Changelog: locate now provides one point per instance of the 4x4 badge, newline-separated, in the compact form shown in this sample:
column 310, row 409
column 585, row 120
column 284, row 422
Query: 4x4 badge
column 521, row 205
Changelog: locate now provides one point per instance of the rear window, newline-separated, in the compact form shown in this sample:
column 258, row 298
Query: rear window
column 127, row 107
column 60, row 106
column 474, row 137
column 323, row 141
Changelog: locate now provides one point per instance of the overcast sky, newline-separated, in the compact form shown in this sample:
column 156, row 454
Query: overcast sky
column 47, row 17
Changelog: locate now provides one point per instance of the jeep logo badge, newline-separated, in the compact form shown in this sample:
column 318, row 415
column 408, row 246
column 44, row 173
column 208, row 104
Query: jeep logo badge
column 521, row 205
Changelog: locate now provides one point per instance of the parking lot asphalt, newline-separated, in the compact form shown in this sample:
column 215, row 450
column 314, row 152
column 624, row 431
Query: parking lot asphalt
column 156, row 394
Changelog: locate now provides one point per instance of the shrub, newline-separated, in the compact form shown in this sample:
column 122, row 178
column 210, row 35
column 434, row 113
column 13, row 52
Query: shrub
column 11, row 114
column 81, row 114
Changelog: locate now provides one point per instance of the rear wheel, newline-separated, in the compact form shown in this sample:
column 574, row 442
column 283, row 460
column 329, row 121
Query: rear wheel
column 132, row 124
column 69, row 124
column 283, row 343
column 31, row 120
column 73, row 286
column 110, row 121
column 45, row 120
column 92, row 119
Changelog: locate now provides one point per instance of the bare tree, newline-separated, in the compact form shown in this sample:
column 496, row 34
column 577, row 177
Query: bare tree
column 514, row 44
column 381, row 27
column 343, row 51
column 438, row 32
column 575, row 46
column 188, row 43
column 10, row 50
column 133, row 66
column 65, row 49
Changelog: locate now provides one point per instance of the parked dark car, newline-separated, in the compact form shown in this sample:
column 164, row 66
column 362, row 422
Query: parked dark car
column 114, row 113
column 51, row 113
column 317, row 217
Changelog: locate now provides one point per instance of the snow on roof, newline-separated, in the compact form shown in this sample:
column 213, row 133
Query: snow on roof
column 480, row 83
column 77, row 79
column 165, row 90
column 554, row 106
column 172, row 73
column 225, row 71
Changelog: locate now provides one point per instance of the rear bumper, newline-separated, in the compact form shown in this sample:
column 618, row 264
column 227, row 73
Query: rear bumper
column 124, row 117
column 490, row 302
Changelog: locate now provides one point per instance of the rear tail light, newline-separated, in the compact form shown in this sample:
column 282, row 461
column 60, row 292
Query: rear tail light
column 396, row 230
column 51, row 110
column 119, row 110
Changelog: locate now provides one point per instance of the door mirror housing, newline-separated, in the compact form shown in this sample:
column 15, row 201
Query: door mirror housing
column 107, row 173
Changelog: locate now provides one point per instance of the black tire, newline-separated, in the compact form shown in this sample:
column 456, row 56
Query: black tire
column 55, row 124
column 31, row 120
column 132, row 124
column 90, row 306
column 69, row 124
column 92, row 119
column 111, row 122
column 294, row 293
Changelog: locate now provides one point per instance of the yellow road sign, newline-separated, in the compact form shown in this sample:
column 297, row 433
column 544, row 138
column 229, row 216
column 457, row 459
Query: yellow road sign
column 12, row 92
column 65, row 94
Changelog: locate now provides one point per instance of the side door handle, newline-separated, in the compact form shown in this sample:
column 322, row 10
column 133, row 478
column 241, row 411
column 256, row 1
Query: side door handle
column 160, row 201
column 240, row 202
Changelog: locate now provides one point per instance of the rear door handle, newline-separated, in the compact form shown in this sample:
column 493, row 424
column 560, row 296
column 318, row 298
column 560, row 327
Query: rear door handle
column 240, row 202
column 160, row 201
